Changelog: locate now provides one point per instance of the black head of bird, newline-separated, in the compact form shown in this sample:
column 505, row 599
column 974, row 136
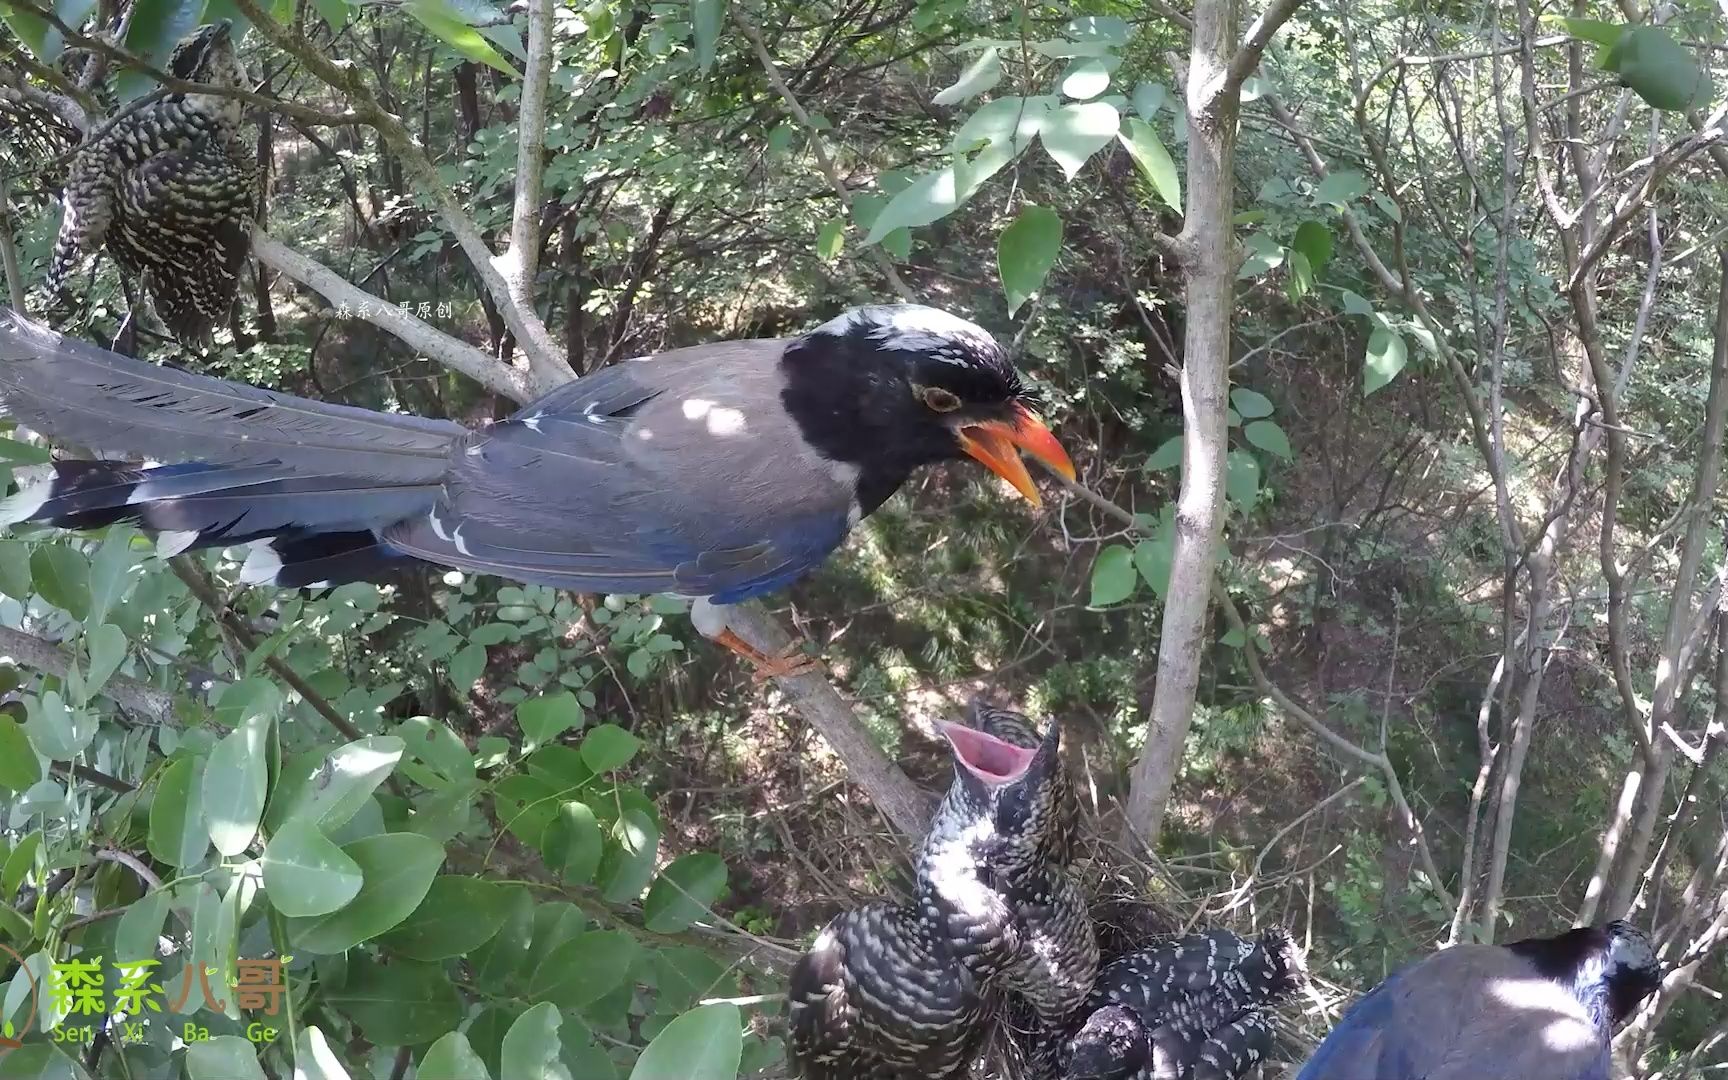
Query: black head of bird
column 1611, row 969
column 1112, row 1043
column 718, row 472
column 1542, row 1007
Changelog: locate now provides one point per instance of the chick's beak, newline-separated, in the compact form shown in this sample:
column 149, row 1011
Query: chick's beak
column 997, row 445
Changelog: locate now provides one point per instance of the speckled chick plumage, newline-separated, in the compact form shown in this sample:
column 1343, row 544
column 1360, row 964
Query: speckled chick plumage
column 171, row 190
column 900, row 992
column 1058, row 957
column 1196, row 1008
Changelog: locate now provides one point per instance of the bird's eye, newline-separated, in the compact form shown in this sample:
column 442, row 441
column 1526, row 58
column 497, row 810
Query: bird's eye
column 941, row 400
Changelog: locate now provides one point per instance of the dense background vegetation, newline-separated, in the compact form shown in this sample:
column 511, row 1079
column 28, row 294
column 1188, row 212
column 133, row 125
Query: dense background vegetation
column 1465, row 679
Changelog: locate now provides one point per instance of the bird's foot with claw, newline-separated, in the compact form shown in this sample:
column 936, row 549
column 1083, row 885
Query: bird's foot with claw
column 793, row 661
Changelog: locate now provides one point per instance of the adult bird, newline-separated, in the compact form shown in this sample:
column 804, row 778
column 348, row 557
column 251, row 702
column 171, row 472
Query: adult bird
column 171, row 189
column 1540, row 1009
column 719, row 472
column 900, row 991
column 1195, row 1008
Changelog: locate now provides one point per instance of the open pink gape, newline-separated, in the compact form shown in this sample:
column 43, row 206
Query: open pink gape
column 985, row 756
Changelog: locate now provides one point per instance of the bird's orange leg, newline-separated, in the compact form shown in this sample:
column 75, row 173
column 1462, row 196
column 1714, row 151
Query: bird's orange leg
column 791, row 662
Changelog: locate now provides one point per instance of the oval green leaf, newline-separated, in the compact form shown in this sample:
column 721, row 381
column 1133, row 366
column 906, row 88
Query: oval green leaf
column 584, row 969
column 234, row 786
column 459, row 915
column 684, row 892
column 306, row 874
column 1074, row 132
column 1147, row 150
column 608, row 747
column 703, row 1044
column 531, row 1047
column 1386, row 357
column 177, row 833
column 574, row 843
column 19, row 767
column 396, row 870
column 223, row 1057
column 1268, row 437
column 399, row 1004
column 1026, row 252
column 629, row 860
column 1112, row 576
column 451, row 1058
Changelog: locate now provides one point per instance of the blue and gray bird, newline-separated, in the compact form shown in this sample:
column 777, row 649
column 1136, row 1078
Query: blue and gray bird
column 1541, row 1009
column 900, row 991
column 719, row 472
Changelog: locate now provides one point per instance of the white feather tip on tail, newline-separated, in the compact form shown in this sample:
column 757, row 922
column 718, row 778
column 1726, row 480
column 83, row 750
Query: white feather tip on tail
column 29, row 499
column 262, row 564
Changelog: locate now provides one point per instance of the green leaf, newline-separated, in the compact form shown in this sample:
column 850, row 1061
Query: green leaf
column 684, row 892
column 1112, row 576
column 305, row 873
column 109, row 571
column 1593, row 30
column 459, row 915
column 14, row 926
column 1167, row 456
column 703, row 1044
column 584, row 969
column 1154, row 161
column 234, row 786
column 177, row 833
column 1340, row 187
column 1301, row 278
column 574, row 843
column 20, row 863
column 433, row 743
column 705, row 19
column 1660, row 70
column 19, row 768
column 107, row 647
column 399, row 1004
column 496, row 963
column 1012, row 122
column 545, row 718
column 1149, row 99
column 1313, row 240
column 40, row 1061
column 1264, row 253
column 15, row 567
column 1250, row 403
column 830, row 240
column 931, row 197
column 32, row 31
column 315, row 1060
column 336, row 788
column 1026, row 252
column 979, row 76
column 441, row 19
column 140, row 928
column 156, row 26
column 1088, row 76
column 1241, row 478
column 57, row 731
column 1074, row 132
column 62, row 577
column 1356, row 305
column 396, row 870
column 1268, row 437
column 531, row 1047
column 223, row 1057
column 608, row 747
column 1386, row 357
column 629, row 862
column 1152, row 559
column 466, row 667
column 451, row 1058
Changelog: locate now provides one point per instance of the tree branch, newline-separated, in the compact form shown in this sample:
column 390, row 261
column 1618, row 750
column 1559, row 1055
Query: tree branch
column 1247, row 57
column 436, row 345
column 546, row 364
column 518, row 264
column 36, row 654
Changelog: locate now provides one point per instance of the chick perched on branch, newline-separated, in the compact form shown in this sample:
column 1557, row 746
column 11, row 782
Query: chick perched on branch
column 171, row 190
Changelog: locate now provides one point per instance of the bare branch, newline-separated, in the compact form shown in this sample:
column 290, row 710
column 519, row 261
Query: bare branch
column 518, row 264
column 431, row 342
column 1247, row 57
column 35, row 654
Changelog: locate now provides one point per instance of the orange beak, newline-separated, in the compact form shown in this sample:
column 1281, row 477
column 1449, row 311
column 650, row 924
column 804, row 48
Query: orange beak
column 997, row 445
